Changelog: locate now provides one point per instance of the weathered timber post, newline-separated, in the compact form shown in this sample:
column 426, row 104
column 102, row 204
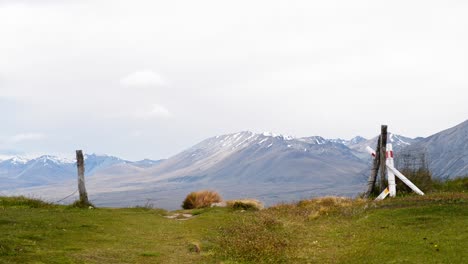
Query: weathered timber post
column 81, row 180
column 383, row 156
column 374, row 171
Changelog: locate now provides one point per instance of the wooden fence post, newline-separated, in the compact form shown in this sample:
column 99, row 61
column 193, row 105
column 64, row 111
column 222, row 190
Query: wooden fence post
column 383, row 157
column 81, row 180
column 374, row 171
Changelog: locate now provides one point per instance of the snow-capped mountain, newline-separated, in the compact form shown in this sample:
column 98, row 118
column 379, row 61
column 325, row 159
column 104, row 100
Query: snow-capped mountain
column 267, row 166
column 260, row 157
column 44, row 170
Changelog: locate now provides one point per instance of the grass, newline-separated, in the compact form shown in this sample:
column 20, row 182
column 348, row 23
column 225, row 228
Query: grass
column 459, row 184
column 410, row 229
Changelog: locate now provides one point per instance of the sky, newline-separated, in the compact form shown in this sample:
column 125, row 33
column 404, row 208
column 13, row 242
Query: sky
column 148, row 79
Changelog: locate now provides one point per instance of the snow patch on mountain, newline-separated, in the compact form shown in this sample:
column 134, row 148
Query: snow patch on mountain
column 18, row 160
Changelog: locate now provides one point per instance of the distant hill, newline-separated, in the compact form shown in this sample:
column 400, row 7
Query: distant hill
column 446, row 152
column 20, row 172
column 267, row 166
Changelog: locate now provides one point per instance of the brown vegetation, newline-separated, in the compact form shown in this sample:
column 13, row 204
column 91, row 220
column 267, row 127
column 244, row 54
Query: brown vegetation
column 245, row 204
column 201, row 199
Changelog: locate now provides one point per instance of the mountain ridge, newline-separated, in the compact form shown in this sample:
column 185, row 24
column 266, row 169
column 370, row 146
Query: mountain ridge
column 267, row 166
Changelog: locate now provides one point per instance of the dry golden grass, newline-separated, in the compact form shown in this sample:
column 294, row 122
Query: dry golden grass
column 316, row 207
column 245, row 204
column 201, row 199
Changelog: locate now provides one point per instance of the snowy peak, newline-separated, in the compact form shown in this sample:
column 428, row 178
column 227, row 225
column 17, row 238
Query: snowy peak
column 244, row 139
column 102, row 157
column 17, row 160
column 316, row 140
column 22, row 172
column 224, row 145
column 53, row 159
column 280, row 136
column 400, row 140
column 356, row 140
column 237, row 141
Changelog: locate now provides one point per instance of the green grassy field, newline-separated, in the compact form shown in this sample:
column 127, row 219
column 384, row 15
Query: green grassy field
column 428, row 229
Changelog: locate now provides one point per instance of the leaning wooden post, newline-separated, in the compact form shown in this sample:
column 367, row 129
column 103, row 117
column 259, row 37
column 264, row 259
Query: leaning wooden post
column 81, row 180
column 374, row 170
column 383, row 156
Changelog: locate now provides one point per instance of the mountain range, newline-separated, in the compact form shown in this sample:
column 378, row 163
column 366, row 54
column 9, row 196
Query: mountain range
column 45, row 170
column 270, row 167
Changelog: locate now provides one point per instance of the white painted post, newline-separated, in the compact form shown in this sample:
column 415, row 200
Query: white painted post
column 405, row 180
column 383, row 195
column 390, row 174
column 370, row 151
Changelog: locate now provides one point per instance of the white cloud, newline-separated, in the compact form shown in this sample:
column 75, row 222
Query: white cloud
column 143, row 78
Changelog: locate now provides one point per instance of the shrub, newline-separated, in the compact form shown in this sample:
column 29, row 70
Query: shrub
column 245, row 204
column 201, row 199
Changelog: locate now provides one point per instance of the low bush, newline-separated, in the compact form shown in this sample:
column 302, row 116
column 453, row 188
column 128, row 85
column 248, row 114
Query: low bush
column 245, row 204
column 201, row 199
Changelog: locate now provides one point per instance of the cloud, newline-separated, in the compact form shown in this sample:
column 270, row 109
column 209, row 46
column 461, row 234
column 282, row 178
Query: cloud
column 25, row 137
column 142, row 79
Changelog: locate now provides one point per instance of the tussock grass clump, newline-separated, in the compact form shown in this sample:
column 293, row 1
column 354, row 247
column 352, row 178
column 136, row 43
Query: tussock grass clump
column 245, row 204
column 201, row 199
column 22, row 201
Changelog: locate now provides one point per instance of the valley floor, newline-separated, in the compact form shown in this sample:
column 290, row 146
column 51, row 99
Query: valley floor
column 428, row 229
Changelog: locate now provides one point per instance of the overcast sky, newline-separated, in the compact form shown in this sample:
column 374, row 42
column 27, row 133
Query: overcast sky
column 147, row 79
